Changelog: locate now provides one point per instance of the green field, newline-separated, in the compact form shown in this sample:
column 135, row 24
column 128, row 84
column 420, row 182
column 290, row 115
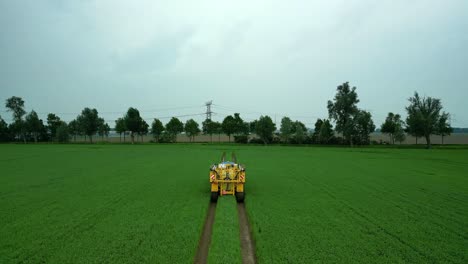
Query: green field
column 147, row 204
column 359, row 205
column 225, row 245
column 101, row 204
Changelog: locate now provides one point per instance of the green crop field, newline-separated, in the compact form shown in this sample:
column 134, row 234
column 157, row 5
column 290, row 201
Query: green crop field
column 225, row 244
column 101, row 204
column 358, row 205
column 148, row 203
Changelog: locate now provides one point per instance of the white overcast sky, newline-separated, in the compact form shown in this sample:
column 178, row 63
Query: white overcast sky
column 254, row 57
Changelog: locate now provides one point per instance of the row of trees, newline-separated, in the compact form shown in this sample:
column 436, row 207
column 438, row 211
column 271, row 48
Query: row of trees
column 354, row 125
column 425, row 118
column 232, row 125
column 87, row 124
column 29, row 127
column 134, row 124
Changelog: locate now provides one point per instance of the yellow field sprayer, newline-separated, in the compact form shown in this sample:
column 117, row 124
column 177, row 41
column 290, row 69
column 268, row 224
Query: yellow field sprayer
column 227, row 178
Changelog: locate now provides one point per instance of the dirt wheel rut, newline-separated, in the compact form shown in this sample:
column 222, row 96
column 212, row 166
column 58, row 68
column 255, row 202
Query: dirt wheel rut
column 204, row 245
column 247, row 243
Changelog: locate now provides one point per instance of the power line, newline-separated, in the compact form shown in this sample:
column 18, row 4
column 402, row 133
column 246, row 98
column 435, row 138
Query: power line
column 164, row 117
column 118, row 112
column 208, row 109
column 268, row 113
column 221, row 109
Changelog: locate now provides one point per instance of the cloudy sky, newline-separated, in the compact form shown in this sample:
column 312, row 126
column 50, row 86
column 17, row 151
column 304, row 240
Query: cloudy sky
column 254, row 57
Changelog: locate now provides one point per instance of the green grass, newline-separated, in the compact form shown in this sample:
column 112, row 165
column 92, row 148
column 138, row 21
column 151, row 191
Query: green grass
column 101, row 204
column 147, row 204
column 358, row 205
column 225, row 244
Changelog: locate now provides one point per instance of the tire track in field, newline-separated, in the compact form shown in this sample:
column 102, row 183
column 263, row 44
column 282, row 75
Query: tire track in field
column 423, row 206
column 78, row 228
column 83, row 224
column 247, row 243
column 414, row 214
column 383, row 229
column 205, row 239
column 420, row 206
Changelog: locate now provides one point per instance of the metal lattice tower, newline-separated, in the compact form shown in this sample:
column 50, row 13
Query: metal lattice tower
column 208, row 109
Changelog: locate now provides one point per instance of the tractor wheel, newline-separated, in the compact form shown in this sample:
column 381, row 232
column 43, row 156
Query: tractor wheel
column 214, row 197
column 240, row 197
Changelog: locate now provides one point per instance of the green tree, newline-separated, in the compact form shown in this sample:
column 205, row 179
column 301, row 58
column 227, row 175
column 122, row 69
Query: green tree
column 299, row 132
column 53, row 122
column 62, row 134
column 17, row 130
column 399, row 134
column 414, row 123
column 191, row 129
column 363, row 126
column 229, row 126
column 88, row 121
column 265, row 128
column 81, row 126
column 73, row 128
column 286, row 129
column 317, row 128
column 33, row 125
column 133, row 122
column 103, row 129
column 443, row 126
column 157, row 128
column 342, row 110
column 206, row 126
column 144, row 129
column 210, row 127
column 297, row 124
column 120, row 127
column 16, row 106
column 392, row 125
column 4, row 132
column 43, row 135
column 318, row 125
column 253, row 126
column 174, row 127
column 219, row 129
column 241, row 127
column 424, row 115
column 326, row 131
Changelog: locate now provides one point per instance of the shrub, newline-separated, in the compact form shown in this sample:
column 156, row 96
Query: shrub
column 166, row 138
column 242, row 139
column 256, row 141
column 62, row 133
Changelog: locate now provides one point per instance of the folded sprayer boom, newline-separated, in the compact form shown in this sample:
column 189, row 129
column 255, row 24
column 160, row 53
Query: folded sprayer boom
column 227, row 178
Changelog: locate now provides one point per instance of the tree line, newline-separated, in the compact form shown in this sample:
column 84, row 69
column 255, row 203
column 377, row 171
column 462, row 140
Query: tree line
column 353, row 125
column 425, row 118
column 28, row 127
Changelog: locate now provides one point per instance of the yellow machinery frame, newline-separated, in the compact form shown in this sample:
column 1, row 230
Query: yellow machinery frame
column 227, row 178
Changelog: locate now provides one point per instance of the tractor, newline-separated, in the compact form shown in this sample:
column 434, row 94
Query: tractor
column 227, row 178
